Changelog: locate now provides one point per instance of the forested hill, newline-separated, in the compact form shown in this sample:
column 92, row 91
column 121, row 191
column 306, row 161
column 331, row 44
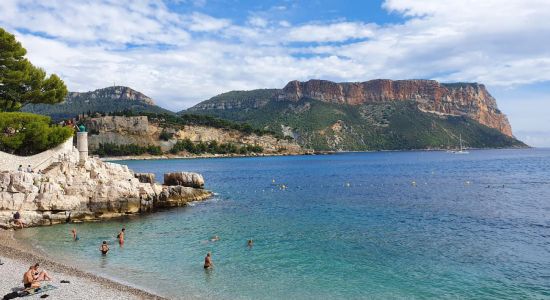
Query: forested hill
column 110, row 99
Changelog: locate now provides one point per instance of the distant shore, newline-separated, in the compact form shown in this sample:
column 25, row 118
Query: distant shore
column 17, row 257
column 320, row 152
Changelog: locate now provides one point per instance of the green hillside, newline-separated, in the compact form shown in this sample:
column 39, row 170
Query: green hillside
column 111, row 99
column 384, row 126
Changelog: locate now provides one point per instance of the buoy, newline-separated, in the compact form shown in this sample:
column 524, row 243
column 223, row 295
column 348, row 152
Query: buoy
column 348, row 184
column 413, row 182
column 273, row 180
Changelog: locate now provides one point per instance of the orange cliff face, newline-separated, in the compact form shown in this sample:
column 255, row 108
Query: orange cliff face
column 462, row 99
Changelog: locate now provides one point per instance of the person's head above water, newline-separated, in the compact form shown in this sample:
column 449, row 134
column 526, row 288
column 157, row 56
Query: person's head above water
column 104, row 242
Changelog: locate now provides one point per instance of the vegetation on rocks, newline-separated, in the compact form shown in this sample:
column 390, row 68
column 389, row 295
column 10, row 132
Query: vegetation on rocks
column 27, row 134
column 109, row 149
column 213, row 147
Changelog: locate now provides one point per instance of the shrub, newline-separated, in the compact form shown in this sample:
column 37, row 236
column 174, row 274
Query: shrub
column 213, row 147
column 28, row 134
column 110, row 149
column 166, row 136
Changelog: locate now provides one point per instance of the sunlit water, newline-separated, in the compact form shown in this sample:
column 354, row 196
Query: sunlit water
column 357, row 225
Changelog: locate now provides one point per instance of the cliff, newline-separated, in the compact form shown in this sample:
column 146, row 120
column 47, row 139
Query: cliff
column 460, row 99
column 68, row 191
column 140, row 130
column 372, row 115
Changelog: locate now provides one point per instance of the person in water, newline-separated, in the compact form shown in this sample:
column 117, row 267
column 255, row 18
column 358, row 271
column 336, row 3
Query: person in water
column 208, row 264
column 33, row 277
column 75, row 236
column 250, row 243
column 120, row 236
column 104, row 248
column 215, row 238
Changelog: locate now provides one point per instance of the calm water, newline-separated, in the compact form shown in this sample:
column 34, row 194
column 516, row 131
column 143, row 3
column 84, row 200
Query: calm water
column 347, row 226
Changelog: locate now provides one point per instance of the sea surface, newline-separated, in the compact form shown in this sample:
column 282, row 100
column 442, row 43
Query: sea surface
column 382, row 225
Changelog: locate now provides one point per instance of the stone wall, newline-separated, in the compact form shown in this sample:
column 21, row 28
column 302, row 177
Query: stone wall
column 10, row 162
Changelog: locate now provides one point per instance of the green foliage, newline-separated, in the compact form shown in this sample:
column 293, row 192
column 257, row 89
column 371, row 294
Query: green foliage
column 170, row 120
column 109, row 149
column 27, row 134
column 22, row 83
column 213, row 147
column 379, row 126
column 102, row 102
column 165, row 135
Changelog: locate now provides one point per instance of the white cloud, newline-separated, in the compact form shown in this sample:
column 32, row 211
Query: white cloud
column 179, row 59
column 202, row 22
column 336, row 32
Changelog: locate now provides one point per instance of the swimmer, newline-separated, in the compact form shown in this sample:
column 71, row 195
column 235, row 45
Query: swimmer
column 215, row 238
column 104, row 248
column 250, row 243
column 208, row 264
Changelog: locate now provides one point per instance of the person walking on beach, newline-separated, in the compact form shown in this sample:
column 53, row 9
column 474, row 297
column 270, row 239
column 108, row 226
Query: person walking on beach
column 104, row 248
column 208, row 264
column 120, row 236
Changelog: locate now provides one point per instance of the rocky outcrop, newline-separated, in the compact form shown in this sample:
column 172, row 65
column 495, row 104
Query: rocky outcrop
column 114, row 93
column 145, row 177
column 187, row 179
column 463, row 99
column 140, row 131
column 96, row 190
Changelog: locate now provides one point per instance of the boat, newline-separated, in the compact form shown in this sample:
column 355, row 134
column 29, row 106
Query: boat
column 461, row 149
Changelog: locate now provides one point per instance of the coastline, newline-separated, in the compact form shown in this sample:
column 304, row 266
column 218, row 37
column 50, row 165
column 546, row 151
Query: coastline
column 319, row 152
column 17, row 256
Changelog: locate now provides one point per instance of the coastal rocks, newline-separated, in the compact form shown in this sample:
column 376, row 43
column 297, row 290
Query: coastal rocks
column 186, row 179
column 463, row 99
column 145, row 177
column 95, row 190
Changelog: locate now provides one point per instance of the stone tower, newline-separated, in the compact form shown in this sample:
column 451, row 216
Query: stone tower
column 82, row 146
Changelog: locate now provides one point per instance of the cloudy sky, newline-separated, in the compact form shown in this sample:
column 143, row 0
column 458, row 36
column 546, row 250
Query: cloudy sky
column 180, row 52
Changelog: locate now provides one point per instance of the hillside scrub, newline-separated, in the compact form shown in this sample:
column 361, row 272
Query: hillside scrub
column 109, row 149
column 28, row 134
column 213, row 147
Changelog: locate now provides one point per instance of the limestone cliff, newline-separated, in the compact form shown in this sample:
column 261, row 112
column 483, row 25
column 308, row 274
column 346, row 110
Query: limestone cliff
column 141, row 131
column 68, row 191
column 461, row 99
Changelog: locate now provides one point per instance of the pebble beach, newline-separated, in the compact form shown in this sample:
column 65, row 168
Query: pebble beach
column 16, row 259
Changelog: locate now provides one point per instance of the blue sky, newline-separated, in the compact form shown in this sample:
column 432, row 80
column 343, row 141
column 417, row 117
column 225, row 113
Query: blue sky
column 180, row 52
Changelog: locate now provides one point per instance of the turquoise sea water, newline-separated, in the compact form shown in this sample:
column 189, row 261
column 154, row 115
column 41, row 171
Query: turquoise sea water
column 412, row 225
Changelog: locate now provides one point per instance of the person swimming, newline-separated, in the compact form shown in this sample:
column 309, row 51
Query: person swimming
column 250, row 243
column 104, row 248
column 208, row 264
column 215, row 238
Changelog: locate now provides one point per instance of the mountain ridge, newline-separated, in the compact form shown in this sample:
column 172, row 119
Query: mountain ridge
column 378, row 114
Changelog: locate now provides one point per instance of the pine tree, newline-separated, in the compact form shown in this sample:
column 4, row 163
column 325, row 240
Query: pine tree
column 22, row 83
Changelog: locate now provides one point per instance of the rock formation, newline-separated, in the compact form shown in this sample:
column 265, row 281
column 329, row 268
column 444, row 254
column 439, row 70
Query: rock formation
column 140, row 131
column 95, row 190
column 462, row 99
column 187, row 179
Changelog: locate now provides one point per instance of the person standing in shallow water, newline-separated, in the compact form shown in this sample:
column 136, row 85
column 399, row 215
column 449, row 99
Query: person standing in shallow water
column 120, row 236
column 75, row 236
column 208, row 264
column 104, row 248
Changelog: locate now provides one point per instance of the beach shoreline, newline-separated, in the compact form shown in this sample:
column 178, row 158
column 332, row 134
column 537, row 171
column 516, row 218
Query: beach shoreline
column 17, row 257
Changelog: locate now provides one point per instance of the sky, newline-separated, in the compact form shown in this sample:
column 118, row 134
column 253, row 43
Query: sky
column 180, row 52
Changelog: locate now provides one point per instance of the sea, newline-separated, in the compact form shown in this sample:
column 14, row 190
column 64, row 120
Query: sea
column 378, row 225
